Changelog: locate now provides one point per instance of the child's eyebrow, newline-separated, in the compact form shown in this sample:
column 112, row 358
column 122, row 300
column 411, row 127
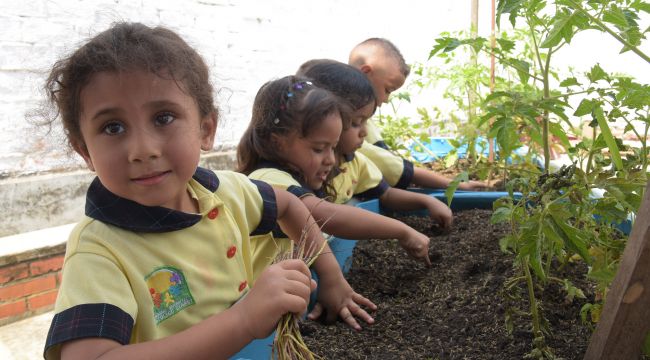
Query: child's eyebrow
column 152, row 105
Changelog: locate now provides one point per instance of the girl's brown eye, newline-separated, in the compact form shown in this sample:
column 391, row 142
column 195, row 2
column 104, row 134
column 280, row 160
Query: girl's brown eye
column 113, row 128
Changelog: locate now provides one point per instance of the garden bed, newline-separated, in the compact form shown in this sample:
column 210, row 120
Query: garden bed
column 454, row 310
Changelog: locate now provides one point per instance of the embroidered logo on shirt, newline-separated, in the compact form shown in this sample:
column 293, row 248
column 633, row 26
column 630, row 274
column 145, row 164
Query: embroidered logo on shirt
column 169, row 292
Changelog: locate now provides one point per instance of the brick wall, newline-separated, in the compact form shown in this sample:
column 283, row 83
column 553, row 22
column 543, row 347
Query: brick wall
column 29, row 282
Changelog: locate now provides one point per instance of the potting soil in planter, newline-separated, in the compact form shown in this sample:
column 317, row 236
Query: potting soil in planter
column 453, row 310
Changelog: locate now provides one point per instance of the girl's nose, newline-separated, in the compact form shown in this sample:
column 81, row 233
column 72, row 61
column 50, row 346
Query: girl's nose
column 330, row 158
column 143, row 146
column 363, row 131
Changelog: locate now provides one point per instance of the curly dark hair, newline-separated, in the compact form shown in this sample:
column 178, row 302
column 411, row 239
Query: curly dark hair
column 126, row 47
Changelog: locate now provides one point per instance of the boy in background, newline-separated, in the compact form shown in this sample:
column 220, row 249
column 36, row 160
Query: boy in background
column 386, row 69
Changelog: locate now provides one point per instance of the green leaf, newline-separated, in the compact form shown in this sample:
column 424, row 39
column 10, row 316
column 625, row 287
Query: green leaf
column 572, row 81
column 523, row 68
column 506, row 45
column 597, row 73
column 586, row 107
column 573, row 238
column 500, row 215
column 608, row 137
column 557, row 130
column 453, row 185
column 615, row 16
column 496, row 95
column 562, row 29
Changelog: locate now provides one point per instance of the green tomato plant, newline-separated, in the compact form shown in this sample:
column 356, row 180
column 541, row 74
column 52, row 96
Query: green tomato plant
column 555, row 218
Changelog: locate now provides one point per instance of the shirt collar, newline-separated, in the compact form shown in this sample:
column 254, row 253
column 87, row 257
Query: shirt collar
column 103, row 205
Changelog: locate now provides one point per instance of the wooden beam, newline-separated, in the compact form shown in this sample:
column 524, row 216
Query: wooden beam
column 625, row 319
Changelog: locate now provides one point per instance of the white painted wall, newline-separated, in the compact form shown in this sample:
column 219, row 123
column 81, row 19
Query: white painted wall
column 244, row 42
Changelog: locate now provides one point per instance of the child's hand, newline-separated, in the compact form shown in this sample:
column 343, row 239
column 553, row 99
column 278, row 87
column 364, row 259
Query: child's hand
column 337, row 298
column 282, row 288
column 416, row 245
column 473, row 186
column 440, row 212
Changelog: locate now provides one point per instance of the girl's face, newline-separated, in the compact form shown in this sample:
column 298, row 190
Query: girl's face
column 352, row 138
column 313, row 155
column 143, row 136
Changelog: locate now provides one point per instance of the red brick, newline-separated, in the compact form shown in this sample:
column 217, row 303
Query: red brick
column 13, row 272
column 29, row 287
column 13, row 309
column 39, row 267
column 42, row 300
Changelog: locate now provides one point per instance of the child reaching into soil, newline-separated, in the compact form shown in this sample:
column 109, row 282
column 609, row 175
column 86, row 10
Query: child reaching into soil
column 386, row 69
column 159, row 266
column 290, row 144
column 357, row 175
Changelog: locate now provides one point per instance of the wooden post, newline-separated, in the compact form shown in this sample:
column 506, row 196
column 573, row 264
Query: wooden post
column 625, row 319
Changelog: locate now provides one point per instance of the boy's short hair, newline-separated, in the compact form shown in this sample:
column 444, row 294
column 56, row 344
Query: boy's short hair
column 358, row 57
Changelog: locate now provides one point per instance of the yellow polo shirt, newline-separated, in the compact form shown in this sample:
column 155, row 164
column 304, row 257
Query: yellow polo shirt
column 134, row 273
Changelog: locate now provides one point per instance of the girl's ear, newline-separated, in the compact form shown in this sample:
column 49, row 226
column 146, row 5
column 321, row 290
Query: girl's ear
column 208, row 131
column 365, row 68
column 81, row 149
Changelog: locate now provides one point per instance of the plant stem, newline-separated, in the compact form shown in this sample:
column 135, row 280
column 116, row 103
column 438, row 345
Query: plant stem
column 610, row 31
column 534, row 311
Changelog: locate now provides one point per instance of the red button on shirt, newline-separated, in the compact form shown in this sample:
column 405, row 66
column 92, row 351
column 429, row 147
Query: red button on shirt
column 213, row 214
column 242, row 285
column 231, row 252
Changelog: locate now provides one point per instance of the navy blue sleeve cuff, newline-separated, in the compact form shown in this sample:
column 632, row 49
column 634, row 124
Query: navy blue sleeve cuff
column 407, row 175
column 299, row 191
column 270, row 210
column 90, row 320
column 375, row 192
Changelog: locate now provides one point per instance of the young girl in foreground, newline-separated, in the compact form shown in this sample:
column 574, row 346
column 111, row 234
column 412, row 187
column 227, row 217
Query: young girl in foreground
column 290, row 143
column 356, row 172
column 160, row 266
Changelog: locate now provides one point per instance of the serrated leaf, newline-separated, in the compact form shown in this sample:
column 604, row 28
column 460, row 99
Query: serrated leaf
column 506, row 45
column 562, row 29
column 586, row 107
column 597, row 73
column 572, row 81
column 615, row 16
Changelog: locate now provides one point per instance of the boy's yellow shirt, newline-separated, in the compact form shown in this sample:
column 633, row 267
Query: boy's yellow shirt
column 144, row 273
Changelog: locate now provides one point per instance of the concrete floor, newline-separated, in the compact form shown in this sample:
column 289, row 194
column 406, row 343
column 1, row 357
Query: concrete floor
column 24, row 340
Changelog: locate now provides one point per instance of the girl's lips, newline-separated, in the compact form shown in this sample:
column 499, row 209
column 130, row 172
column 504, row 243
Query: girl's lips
column 151, row 179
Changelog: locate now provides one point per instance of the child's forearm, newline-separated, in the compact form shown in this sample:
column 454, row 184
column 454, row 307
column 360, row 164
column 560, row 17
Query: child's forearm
column 219, row 336
column 426, row 178
column 351, row 222
column 404, row 200
column 296, row 221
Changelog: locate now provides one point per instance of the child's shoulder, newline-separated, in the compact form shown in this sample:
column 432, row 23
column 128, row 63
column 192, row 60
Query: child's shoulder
column 274, row 176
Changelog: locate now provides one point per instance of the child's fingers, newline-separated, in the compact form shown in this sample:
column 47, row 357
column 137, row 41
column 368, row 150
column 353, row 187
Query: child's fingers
column 364, row 301
column 295, row 264
column 316, row 312
column 348, row 318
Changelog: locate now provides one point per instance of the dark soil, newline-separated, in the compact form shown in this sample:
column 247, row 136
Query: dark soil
column 454, row 310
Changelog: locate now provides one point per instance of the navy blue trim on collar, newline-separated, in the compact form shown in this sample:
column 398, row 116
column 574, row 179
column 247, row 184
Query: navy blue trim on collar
column 381, row 144
column 103, row 205
column 348, row 157
column 90, row 320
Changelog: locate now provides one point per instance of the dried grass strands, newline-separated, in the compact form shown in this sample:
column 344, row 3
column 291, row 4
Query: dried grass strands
column 288, row 343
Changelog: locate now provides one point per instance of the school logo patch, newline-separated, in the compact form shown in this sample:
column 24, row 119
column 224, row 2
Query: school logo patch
column 169, row 292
